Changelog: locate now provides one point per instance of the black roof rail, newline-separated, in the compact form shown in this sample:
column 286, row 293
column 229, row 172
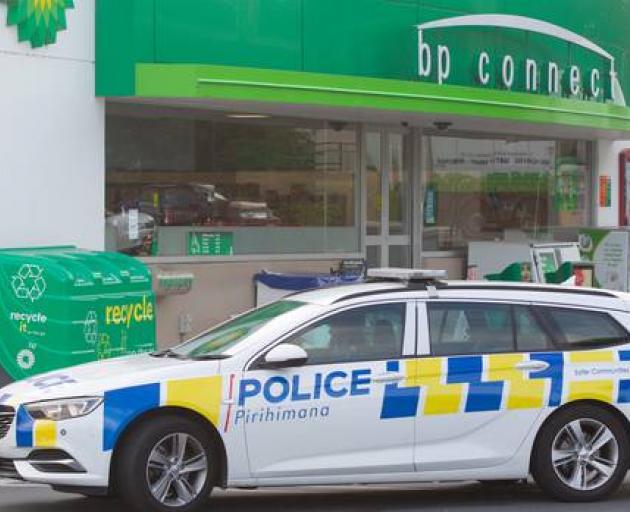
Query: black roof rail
column 534, row 288
column 442, row 285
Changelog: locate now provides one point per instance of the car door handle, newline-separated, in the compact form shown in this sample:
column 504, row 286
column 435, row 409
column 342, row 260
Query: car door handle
column 389, row 377
column 533, row 366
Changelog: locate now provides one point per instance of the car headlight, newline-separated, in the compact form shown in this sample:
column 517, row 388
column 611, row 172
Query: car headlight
column 59, row 410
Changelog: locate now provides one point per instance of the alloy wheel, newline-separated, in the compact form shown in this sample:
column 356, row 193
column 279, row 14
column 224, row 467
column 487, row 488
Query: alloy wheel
column 585, row 454
column 177, row 470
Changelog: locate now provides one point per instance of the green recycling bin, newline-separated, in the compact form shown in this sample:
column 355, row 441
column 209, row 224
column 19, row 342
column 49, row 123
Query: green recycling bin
column 63, row 306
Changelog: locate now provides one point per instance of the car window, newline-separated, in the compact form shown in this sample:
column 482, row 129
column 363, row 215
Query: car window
column 369, row 333
column 470, row 328
column 178, row 197
column 224, row 336
column 578, row 328
column 530, row 334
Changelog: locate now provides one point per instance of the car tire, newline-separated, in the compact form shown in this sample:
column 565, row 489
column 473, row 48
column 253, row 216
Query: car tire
column 161, row 466
column 581, row 454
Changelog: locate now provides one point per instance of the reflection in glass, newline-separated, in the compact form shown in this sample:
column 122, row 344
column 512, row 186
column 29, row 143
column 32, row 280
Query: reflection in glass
column 373, row 256
column 485, row 189
column 275, row 185
column 399, row 187
column 400, row 256
column 374, row 183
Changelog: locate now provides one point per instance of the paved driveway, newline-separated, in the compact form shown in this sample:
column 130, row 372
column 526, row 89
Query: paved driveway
column 460, row 497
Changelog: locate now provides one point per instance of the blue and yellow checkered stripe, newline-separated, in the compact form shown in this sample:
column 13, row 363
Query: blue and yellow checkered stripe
column 32, row 433
column 469, row 384
column 123, row 406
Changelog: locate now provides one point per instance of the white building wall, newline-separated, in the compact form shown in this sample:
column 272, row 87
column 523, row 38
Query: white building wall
column 607, row 162
column 52, row 163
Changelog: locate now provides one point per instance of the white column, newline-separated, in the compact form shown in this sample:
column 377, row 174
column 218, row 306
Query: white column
column 52, row 164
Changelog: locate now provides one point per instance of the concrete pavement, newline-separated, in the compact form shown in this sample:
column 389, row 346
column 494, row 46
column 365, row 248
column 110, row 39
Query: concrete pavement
column 471, row 497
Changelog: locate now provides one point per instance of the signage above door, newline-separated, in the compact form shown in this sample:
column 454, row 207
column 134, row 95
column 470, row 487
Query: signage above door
column 516, row 53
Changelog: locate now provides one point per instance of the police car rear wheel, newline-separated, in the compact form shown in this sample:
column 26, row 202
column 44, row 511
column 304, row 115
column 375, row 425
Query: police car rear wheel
column 581, row 454
column 167, row 465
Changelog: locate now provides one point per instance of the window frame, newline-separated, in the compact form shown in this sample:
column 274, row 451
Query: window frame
column 537, row 311
column 408, row 348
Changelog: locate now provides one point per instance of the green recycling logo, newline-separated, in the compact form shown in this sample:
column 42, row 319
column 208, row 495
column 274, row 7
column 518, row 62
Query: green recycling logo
column 29, row 283
column 39, row 21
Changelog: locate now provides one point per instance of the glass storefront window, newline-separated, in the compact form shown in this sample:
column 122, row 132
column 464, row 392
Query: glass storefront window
column 399, row 187
column 490, row 189
column 374, row 182
column 188, row 182
column 388, row 180
column 399, row 256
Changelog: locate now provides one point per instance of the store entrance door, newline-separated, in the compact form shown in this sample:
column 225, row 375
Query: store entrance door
column 387, row 187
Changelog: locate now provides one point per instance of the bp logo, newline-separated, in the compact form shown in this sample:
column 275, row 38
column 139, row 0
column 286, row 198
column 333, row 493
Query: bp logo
column 29, row 283
column 38, row 21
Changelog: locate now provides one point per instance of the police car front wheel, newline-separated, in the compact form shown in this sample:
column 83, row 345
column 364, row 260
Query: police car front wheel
column 581, row 454
column 168, row 464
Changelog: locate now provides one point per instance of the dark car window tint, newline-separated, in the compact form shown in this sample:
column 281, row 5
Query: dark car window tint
column 465, row 328
column 530, row 335
column 578, row 328
column 368, row 333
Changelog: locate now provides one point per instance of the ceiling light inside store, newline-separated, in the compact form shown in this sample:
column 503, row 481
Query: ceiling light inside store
column 248, row 116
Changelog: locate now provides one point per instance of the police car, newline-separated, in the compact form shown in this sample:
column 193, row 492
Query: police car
column 406, row 378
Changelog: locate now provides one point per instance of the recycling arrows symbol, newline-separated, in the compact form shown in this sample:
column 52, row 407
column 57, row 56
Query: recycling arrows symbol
column 28, row 283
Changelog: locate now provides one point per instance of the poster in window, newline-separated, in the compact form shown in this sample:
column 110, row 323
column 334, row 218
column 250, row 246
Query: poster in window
column 210, row 244
column 430, row 206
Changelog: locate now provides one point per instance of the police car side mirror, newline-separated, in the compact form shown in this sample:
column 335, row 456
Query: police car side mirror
column 284, row 356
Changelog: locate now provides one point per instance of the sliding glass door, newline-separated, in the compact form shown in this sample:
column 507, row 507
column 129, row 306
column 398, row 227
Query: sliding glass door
column 388, row 186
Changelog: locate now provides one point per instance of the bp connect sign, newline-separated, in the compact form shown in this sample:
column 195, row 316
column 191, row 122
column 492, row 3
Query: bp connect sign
column 516, row 53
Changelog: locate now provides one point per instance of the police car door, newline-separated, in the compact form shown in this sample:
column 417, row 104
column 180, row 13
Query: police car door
column 485, row 381
column 327, row 417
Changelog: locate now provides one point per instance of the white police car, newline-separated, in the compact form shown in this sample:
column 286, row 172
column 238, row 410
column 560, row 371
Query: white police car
column 406, row 379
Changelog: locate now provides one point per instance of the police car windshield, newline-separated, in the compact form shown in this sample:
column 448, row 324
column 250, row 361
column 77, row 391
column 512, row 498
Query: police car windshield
column 224, row 336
